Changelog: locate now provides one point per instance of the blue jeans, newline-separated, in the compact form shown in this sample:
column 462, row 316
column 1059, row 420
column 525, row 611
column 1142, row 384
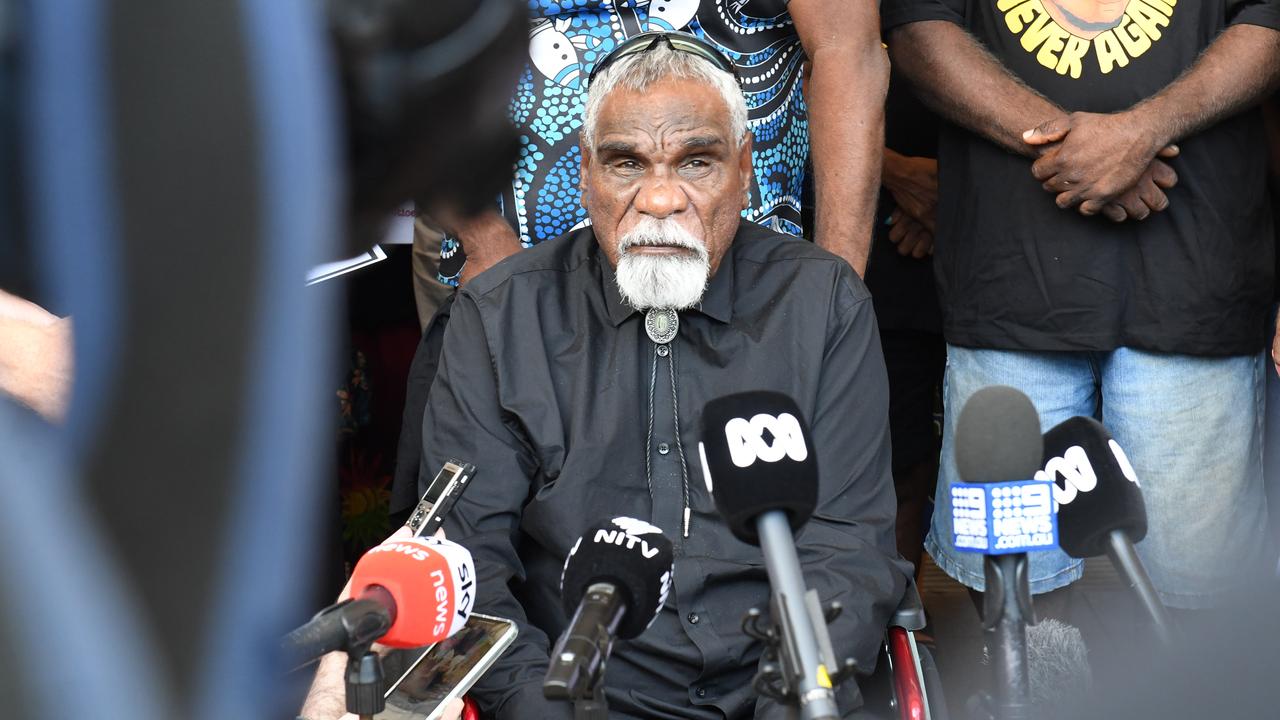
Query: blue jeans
column 1191, row 426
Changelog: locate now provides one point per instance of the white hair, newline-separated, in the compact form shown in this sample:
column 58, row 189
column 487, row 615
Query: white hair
column 637, row 72
column 662, row 281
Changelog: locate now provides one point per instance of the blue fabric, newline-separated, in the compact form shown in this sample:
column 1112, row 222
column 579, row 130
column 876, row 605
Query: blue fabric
column 67, row 130
column 273, row 533
column 1191, row 427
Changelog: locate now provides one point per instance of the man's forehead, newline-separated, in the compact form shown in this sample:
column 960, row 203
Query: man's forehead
column 674, row 111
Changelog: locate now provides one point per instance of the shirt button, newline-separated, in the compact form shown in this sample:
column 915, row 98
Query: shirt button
column 693, row 618
column 663, row 351
column 663, row 448
column 700, row 692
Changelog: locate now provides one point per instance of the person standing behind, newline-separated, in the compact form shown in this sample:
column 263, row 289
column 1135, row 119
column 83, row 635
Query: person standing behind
column 1156, row 320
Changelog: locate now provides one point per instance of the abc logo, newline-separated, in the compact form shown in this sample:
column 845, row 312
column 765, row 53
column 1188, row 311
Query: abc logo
column 748, row 443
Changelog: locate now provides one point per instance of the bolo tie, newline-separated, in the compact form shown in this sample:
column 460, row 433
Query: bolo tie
column 662, row 325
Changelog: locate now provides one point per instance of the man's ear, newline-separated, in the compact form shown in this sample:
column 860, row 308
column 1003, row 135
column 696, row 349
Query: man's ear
column 746, row 168
column 584, row 169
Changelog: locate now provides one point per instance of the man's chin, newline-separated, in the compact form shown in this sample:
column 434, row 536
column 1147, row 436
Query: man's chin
column 645, row 281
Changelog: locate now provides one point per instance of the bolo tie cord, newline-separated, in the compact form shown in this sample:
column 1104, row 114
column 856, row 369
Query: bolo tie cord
column 675, row 406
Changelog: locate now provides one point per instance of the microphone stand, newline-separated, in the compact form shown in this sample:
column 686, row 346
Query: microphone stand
column 1006, row 612
column 365, row 696
column 780, row 671
column 1123, row 557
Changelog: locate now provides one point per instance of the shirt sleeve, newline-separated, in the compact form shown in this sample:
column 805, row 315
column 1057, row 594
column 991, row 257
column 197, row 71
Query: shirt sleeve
column 894, row 13
column 848, row 549
column 1265, row 13
column 464, row 419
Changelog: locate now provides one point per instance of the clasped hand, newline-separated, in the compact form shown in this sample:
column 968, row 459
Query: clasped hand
column 1104, row 163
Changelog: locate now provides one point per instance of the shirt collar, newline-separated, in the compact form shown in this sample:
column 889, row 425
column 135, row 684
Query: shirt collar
column 717, row 301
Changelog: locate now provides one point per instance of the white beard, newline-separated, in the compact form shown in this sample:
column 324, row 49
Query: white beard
column 662, row 281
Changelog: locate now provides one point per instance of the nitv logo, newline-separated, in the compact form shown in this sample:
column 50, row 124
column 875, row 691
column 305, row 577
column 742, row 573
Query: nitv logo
column 766, row 438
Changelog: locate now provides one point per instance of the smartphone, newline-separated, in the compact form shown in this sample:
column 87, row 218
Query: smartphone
column 440, row 497
column 437, row 674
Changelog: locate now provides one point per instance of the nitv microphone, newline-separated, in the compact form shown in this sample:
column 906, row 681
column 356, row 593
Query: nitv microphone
column 998, row 440
column 763, row 473
column 1100, row 507
column 615, row 581
column 405, row 593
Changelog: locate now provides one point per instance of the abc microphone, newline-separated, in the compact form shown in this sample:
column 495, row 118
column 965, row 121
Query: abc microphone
column 615, row 581
column 1100, row 507
column 999, row 512
column 756, row 455
column 405, row 593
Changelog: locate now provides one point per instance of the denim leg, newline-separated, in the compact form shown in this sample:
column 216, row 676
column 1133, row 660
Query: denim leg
column 1192, row 428
column 1060, row 385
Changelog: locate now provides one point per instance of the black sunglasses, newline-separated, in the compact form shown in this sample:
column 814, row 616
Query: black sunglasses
column 678, row 41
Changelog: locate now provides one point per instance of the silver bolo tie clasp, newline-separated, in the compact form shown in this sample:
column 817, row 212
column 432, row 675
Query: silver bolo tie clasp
column 661, row 324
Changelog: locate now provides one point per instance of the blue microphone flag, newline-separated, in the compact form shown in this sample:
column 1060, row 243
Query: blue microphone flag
column 999, row 518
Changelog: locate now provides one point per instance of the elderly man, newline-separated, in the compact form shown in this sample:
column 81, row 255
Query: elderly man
column 577, row 409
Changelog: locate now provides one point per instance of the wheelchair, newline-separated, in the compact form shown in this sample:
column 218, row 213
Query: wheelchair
column 905, row 684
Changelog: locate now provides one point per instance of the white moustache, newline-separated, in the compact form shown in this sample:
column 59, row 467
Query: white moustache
column 653, row 232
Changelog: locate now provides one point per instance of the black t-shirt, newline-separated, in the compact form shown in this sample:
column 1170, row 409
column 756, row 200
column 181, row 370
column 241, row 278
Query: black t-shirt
column 1015, row 272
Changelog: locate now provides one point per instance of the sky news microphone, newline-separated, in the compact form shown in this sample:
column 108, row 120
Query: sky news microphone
column 998, row 442
column 1100, row 507
column 763, row 473
column 406, row 592
column 614, row 583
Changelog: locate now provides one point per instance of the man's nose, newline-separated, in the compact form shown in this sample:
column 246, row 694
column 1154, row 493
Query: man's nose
column 660, row 196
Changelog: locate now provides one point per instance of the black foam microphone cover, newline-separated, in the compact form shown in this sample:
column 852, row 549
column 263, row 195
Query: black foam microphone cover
column 756, row 451
column 631, row 554
column 998, row 436
column 1099, row 490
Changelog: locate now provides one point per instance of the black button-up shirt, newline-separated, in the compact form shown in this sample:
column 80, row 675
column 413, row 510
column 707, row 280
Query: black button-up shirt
column 545, row 384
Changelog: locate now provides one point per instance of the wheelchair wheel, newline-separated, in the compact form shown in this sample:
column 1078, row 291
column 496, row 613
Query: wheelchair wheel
column 933, row 685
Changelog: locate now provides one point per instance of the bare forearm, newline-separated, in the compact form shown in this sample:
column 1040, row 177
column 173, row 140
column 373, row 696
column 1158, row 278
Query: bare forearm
column 846, row 111
column 957, row 78
column 327, row 699
column 1235, row 72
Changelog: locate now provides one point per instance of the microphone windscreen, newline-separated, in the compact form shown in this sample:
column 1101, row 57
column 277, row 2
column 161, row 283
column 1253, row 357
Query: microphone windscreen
column 432, row 582
column 998, row 437
column 1058, row 668
column 634, row 556
column 1097, row 490
column 757, row 457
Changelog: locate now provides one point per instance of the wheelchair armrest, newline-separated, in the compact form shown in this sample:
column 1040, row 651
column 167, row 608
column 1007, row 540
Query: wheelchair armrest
column 910, row 612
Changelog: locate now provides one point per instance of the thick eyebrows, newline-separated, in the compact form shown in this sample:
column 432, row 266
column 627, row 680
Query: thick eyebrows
column 702, row 142
column 616, row 147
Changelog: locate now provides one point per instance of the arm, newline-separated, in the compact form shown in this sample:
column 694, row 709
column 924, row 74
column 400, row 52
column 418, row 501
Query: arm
column 847, row 549
column 846, row 87
column 957, row 78
column 464, row 418
column 35, row 356
column 485, row 238
column 1098, row 156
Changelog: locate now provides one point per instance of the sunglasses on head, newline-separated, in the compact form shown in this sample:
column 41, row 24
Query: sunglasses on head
column 678, row 41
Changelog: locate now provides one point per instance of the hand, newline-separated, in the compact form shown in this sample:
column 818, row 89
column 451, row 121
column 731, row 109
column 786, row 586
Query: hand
column 1275, row 347
column 913, row 183
column 486, row 239
column 1139, row 201
column 35, row 356
column 910, row 235
column 1091, row 160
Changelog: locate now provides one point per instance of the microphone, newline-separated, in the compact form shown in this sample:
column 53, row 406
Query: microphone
column 615, row 581
column 755, row 448
column 1100, row 507
column 405, row 593
column 998, row 440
